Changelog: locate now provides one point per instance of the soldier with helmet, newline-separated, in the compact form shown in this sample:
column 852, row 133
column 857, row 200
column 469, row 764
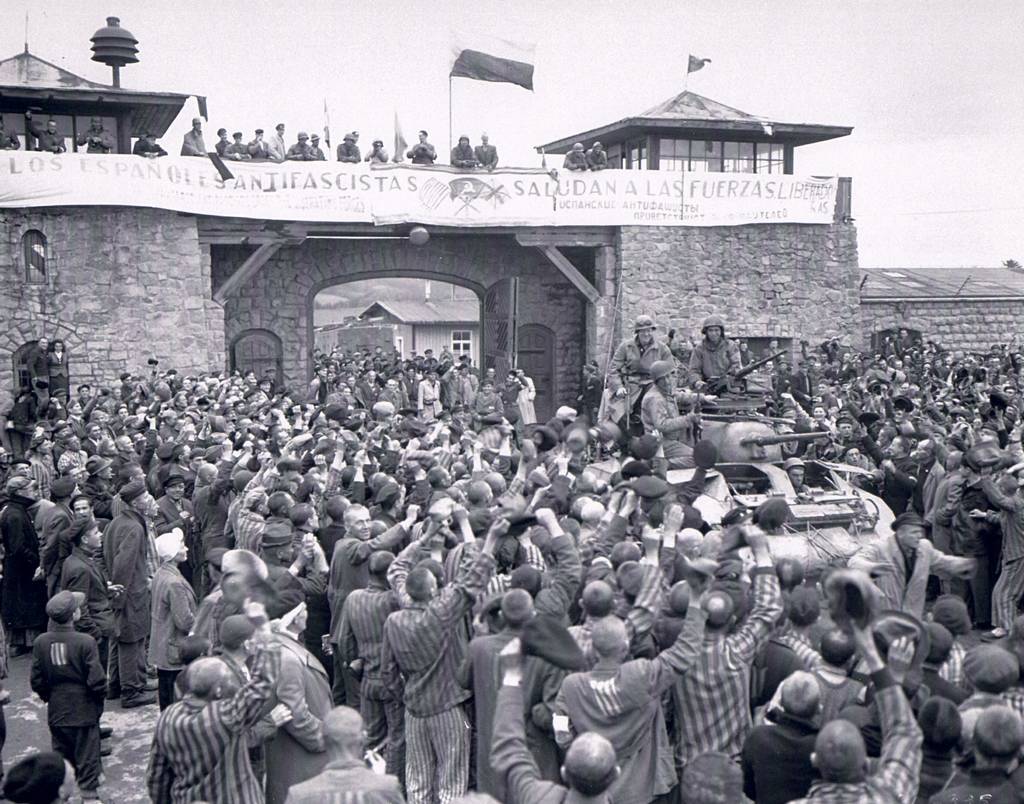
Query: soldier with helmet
column 629, row 375
column 715, row 357
column 796, row 470
column 660, row 416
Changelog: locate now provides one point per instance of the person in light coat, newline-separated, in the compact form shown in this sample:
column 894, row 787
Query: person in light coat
column 173, row 614
column 901, row 563
column 296, row 752
column 527, row 414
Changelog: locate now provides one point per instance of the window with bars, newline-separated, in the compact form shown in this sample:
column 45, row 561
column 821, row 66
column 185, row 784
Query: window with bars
column 33, row 244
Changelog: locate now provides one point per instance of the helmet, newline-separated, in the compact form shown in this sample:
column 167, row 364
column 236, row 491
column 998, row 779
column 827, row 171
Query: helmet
column 713, row 321
column 792, row 462
column 661, row 368
column 644, row 322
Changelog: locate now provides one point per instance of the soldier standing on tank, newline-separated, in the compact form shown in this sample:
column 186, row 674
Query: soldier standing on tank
column 629, row 375
column 715, row 357
column 660, row 416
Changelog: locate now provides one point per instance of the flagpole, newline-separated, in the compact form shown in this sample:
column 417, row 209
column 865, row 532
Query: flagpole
column 450, row 124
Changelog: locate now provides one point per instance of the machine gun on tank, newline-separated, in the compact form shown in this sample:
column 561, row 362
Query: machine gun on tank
column 721, row 385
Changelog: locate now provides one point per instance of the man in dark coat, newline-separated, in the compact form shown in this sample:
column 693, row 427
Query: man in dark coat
column 56, row 521
column 480, row 674
column 350, row 570
column 67, row 675
column 126, row 556
column 175, row 511
column 83, row 572
column 777, row 755
column 99, row 486
column 24, row 593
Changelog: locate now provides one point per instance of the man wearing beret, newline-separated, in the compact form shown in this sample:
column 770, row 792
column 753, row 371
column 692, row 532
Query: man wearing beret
column 67, row 675
column 130, row 557
column 901, row 563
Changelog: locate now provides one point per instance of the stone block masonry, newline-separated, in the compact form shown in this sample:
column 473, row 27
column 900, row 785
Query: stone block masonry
column 970, row 324
column 781, row 281
column 122, row 285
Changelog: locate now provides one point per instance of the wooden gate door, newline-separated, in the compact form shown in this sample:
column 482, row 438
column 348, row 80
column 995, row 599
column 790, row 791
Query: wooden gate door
column 499, row 326
column 258, row 350
column 536, row 356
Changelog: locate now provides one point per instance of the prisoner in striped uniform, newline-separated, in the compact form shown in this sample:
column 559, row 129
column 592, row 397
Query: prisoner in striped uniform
column 712, row 700
column 622, row 702
column 360, row 635
column 1010, row 585
column 422, row 649
column 200, row 749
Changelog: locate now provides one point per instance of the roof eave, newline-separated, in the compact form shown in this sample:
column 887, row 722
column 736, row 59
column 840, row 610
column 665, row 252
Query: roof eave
column 912, row 299
column 797, row 133
column 154, row 111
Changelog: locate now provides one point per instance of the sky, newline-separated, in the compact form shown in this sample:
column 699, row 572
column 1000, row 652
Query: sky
column 932, row 88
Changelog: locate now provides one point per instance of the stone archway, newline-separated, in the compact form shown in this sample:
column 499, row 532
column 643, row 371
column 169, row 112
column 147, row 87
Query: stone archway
column 279, row 297
column 26, row 333
column 259, row 351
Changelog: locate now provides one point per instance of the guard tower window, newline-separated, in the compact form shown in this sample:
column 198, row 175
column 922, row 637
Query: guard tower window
column 33, row 244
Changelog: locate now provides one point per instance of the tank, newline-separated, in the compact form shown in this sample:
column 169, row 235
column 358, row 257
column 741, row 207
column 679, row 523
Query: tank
column 828, row 524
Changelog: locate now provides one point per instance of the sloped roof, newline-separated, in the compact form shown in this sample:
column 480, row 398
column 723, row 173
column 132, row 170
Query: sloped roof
column 27, row 70
column 28, row 77
column 925, row 283
column 411, row 311
column 691, row 106
column 691, row 113
column 336, row 315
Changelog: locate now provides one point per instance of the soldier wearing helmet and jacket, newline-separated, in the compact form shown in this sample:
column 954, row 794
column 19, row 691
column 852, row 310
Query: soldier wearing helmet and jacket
column 715, row 357
column 629, row 375
column 660, row 416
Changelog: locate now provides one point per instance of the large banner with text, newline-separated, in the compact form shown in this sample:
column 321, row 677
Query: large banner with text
column 390, row 194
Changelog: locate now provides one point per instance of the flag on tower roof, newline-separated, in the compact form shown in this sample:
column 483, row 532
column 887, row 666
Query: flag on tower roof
column 696, row 63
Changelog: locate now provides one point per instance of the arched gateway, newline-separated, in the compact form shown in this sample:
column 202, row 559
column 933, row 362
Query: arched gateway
column 271, row 287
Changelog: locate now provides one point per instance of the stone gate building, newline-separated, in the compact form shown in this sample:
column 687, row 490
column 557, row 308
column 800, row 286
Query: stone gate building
column 121, row 284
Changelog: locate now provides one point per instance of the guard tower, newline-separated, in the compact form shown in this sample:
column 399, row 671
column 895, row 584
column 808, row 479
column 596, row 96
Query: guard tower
column 698, row 134
column 46, row 91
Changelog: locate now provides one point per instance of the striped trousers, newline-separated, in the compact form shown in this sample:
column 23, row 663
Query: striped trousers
column 1007, row 593
column 436, row 757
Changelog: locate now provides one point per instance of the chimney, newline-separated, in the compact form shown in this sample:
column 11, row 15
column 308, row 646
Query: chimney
column 426, row 290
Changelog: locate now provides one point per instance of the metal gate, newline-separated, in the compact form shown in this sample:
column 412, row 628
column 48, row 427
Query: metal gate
column 499, row 326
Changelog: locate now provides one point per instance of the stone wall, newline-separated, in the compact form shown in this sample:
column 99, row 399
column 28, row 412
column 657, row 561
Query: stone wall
column 780, row 280
column 122, row 285
column 280, row 296
column 961, row 324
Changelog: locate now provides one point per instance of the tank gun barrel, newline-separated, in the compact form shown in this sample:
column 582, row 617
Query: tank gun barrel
column 781, row 438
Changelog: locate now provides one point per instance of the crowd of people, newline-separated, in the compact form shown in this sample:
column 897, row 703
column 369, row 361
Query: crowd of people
column 272, row 148
column 394, row 584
